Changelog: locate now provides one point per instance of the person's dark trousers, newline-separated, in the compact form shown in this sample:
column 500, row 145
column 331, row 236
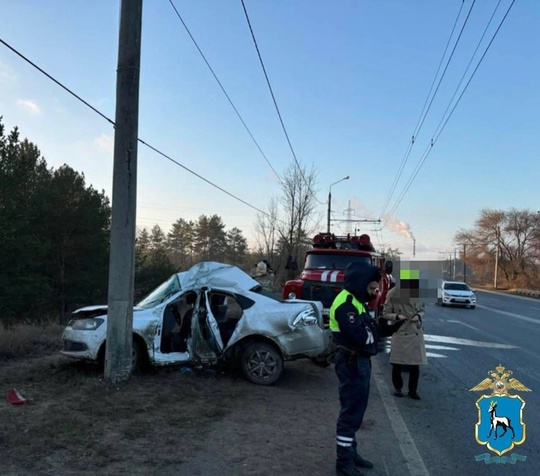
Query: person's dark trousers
column 414, row 375
column 354, row 378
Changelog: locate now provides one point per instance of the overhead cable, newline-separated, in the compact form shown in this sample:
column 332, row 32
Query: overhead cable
column 224, row 91
column 422, row 116
column 439, row 131
column 276, row 104
column 139, row 139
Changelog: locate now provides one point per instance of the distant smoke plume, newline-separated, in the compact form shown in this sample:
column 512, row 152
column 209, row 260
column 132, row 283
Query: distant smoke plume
column 399, row 227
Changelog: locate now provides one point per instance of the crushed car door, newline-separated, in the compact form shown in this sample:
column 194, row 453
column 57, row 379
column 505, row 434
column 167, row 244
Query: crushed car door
column 207, row 345
column 215, row 303
column 171, row 334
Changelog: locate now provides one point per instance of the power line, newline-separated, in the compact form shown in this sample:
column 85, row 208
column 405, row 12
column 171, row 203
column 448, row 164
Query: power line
column 223, row 89
column 139, row 139
column 421, row 118
column 337, row 222
column 200, row 176
column 447, row 64
column 275, row 103
column 57, row 82
column 469, row 65
column 437, row 134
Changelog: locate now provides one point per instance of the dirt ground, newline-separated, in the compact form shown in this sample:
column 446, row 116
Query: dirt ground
column 166, row 422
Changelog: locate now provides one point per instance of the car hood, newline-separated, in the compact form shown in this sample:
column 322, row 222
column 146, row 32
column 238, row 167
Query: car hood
column 211, row 274
column 93, row 311
column 452, row 292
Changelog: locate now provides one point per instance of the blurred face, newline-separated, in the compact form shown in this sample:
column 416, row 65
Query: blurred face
column 373, row 289
column 407, row 295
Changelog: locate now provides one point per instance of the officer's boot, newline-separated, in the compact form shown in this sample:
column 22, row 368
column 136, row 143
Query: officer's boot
column 362, row 462
column 350, row 470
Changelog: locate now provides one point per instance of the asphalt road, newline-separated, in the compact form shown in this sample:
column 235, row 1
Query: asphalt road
column 437, row 434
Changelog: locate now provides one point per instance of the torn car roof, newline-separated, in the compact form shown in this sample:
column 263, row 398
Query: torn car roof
column 212, row 274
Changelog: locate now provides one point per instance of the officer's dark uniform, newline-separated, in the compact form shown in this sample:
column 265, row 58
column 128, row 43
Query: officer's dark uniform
column 356, row 335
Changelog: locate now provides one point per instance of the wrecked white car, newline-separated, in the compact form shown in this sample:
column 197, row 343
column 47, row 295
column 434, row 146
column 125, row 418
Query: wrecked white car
column 213, row 312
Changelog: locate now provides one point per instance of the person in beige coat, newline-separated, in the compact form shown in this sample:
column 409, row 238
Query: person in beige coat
column 407, row 343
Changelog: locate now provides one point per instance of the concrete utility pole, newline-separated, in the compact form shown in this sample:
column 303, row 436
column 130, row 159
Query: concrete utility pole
column 118, row 354
column 496, row 272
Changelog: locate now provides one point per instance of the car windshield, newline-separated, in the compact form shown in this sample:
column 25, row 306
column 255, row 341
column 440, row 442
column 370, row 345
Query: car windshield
column 333, row 261
column 161, row 293
column 456, row 287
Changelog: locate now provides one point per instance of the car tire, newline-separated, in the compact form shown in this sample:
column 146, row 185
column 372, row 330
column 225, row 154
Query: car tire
column 472, row 307
column 439, row 301
column 261, row 363
column 136, row 357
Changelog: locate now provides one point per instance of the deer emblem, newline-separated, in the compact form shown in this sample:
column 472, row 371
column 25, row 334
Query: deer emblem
column 497, row 421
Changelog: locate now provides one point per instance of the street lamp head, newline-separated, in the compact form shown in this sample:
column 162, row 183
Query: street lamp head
column 340, row 180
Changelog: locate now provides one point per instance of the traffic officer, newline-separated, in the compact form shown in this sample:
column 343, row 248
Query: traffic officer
column 355, row 334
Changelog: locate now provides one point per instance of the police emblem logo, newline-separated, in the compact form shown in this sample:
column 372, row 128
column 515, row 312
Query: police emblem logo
column 500, row 425
column 351, row 316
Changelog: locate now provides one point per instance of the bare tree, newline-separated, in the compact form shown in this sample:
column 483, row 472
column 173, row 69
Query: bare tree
column 266, row 231
column 283, row 233
column 299, row 221
column 391, row 254
column 513, row 237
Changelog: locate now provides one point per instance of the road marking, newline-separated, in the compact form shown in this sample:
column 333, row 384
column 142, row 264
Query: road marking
column 414, row 461
column 474, row 343
column 433, row 354
column 535, row 308
column 511, row 314
column 463, row 324
column 440, row 347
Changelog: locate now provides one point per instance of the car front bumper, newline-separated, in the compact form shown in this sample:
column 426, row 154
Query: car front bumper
column 459, row 301
column 83, row 345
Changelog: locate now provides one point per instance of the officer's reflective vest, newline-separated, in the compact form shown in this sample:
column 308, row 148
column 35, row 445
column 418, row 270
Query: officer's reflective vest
column 340, row 299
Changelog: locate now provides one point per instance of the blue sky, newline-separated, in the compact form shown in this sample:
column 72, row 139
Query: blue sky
column 350, row 78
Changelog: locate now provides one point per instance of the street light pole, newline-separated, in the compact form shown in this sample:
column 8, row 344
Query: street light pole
column 330, row 202
column 464, row 264
column 496, row 272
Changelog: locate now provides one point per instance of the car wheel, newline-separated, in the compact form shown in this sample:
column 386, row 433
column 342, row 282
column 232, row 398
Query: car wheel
column 138, row 361
column 136, row 357
column 472, row 307
column 261, row 363
column 439, row 301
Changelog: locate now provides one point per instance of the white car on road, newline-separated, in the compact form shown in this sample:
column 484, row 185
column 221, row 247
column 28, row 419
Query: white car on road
column 456, row 293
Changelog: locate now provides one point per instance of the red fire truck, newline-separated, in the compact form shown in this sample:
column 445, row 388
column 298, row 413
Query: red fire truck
column 324, row 268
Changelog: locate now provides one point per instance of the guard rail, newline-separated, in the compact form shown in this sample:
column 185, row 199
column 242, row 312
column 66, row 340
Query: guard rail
column 527, row 292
